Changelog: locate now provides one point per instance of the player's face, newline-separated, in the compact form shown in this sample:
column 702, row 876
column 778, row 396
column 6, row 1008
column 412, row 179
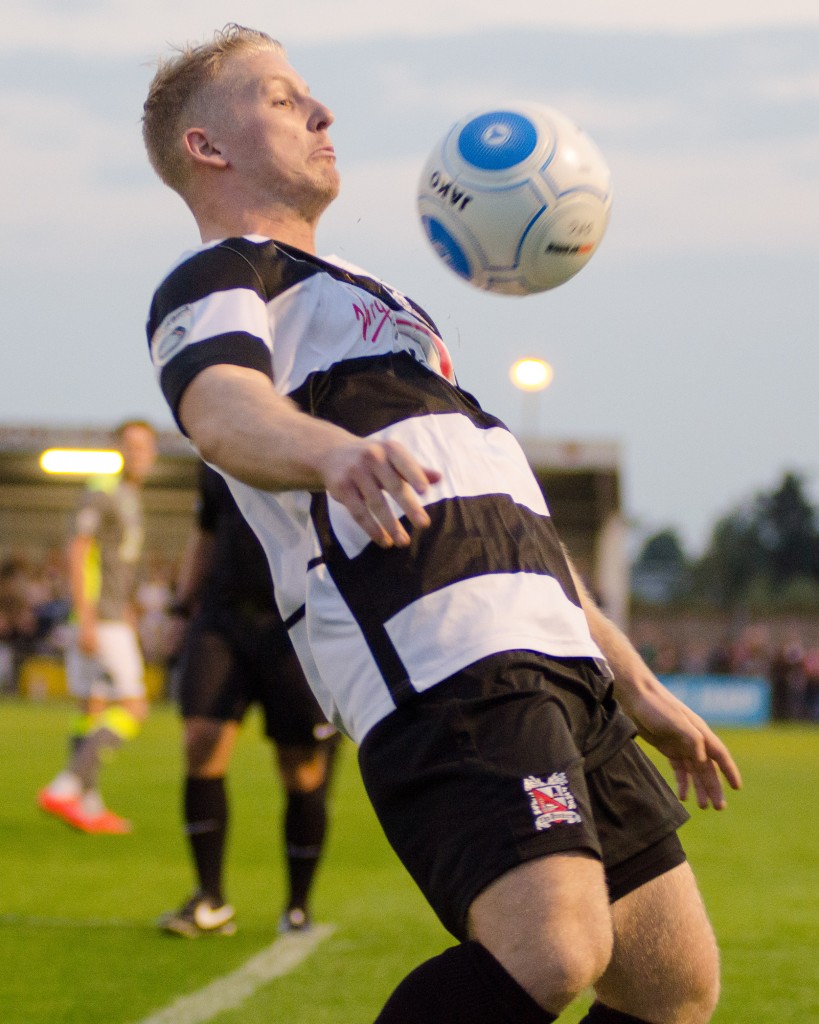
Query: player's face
column 274, row 134
column 138, row 447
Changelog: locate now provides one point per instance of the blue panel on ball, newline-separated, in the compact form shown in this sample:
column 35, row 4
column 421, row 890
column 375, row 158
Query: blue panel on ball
column 498, row 140
column 447, row 247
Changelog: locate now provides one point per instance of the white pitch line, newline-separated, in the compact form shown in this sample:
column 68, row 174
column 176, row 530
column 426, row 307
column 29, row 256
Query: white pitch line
column 231, row 990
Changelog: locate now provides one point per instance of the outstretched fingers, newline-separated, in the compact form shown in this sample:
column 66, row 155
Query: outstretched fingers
column 409, row 479
column 375, row 473
column 697, row 755
column 707, row 764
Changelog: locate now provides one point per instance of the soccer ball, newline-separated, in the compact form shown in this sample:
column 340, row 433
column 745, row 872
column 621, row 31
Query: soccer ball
column 515, row 198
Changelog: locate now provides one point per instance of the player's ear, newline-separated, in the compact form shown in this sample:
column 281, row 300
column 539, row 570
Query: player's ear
column 199, row 146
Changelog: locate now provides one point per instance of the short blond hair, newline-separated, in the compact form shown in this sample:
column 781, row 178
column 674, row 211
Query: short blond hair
column 177, row 85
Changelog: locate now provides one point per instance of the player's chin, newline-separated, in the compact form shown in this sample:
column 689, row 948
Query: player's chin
column 324, row 191
column 332, row 179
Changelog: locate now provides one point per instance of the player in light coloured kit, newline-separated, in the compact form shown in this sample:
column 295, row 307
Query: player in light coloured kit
column 417, row 568
column 104, row 664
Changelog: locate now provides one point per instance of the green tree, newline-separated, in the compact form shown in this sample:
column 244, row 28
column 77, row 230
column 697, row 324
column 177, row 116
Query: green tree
column 732, row 563
column 786, row 522
column 764, row 552
column 660, row 572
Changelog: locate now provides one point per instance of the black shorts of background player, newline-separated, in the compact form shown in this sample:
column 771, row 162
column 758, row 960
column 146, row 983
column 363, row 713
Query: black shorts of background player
column 235, row 654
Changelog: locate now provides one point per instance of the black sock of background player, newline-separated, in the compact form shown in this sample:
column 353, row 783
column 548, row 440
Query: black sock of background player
column 463, row 985
column 305, row 826
column 206, row 819
column 600, row 1014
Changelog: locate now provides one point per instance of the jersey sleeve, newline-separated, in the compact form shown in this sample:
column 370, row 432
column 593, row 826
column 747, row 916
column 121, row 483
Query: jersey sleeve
column 211, row 309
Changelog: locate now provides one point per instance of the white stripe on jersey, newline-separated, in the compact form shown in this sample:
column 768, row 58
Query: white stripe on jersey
column 342, row 657
column 218, row 313
column 471, row 460
column 321, row 691
column 460, row 624
column 280, row 521
column 320, row 322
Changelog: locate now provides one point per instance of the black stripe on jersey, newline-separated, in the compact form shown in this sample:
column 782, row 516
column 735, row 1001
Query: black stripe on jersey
column 402, row 386
column 268, row 268
column 295, row 617
column 368, row 284
column 238, row 349
column 234, row 263
column 467, row 538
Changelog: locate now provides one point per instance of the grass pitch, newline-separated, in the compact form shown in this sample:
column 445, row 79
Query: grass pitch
column 78, row 943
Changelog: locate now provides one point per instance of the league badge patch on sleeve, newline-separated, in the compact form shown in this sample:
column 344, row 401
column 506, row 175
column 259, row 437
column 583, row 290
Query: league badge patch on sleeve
column 551, row 801
column 171, row 335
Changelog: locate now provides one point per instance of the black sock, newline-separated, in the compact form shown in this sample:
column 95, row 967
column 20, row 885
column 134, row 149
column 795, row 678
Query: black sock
column 463, row 985
column 206, row 820
column 600, row 1014
column 88, row 753
column 305, row 826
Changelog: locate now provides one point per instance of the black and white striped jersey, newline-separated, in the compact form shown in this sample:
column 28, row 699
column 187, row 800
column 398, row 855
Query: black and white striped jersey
column 374, row 626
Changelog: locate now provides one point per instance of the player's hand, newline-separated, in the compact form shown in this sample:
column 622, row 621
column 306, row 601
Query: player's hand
column 696, row 754
column 362, row 473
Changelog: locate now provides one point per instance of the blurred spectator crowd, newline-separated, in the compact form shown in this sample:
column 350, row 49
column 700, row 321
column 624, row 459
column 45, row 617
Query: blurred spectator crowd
column 790, row 666
column 34, row 619
column 35, row 607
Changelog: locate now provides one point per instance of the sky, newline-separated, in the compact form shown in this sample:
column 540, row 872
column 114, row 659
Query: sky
column 691, row 339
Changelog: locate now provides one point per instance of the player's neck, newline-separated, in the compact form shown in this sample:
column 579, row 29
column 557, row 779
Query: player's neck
column 282, row 225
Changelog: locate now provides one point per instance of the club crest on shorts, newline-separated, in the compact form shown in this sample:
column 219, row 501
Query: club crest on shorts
column 551, row 802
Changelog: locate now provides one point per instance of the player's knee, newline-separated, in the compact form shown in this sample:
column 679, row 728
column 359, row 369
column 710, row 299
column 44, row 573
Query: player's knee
column 689, row 999
column 698, row 988
column 139, row 709
column 564, row 963
column 304, row 779
column 122, row 720
column 579, row 957
column 302, row 771
column 691, row 973
column 207, row 747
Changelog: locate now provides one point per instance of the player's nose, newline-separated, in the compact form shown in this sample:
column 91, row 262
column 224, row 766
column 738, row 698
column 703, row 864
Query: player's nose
column 321, row 117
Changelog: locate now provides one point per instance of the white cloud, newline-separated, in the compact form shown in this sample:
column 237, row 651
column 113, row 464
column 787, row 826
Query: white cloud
column 126, row 27
column 790, row 88
column 751, row 196
column 72, row 190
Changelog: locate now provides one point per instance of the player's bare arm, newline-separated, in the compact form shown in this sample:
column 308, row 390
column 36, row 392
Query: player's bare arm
column 239, row 423
column 696, row 754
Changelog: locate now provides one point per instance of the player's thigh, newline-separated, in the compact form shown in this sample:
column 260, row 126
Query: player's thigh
column 211, row 682
column 665, row 963
column 548, row 922
column 84, row 676
column 121, row 660
column 113, row 673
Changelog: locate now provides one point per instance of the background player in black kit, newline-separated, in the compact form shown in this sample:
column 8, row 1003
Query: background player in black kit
column 236, row 653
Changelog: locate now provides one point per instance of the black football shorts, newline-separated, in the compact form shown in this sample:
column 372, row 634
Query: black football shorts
column 234, row 658
column 516, row 757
